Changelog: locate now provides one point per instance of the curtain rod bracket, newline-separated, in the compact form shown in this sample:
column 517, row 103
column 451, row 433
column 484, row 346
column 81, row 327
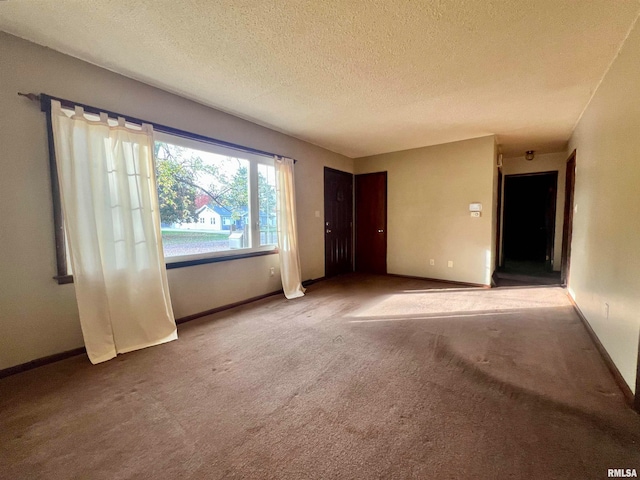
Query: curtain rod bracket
column 31, row 96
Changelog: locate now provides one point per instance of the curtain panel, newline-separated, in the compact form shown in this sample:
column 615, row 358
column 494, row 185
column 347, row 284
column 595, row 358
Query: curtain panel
column 112, row 224
column 288, row 229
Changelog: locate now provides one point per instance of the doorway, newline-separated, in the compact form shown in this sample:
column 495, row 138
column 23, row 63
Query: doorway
column 371, row 223
column 338, row 222
column 529, row 230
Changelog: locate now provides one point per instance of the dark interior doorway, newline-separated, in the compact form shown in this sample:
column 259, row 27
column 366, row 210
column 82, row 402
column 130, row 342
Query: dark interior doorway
column 498, row 251
column 529, row 229
column 338, row 222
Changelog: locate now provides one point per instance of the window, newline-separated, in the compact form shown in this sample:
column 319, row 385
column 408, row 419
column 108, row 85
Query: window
column 197, row 182
column 267, row 204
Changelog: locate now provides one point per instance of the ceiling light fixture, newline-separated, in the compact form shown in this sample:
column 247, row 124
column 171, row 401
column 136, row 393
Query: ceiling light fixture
column 529, row 155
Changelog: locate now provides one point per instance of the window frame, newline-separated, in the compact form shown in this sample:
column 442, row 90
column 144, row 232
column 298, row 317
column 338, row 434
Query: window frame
column 64, row 275
column 253, row 220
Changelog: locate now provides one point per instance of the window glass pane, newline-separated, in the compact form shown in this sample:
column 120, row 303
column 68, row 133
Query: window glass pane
column 204, row 200
column 267, row 204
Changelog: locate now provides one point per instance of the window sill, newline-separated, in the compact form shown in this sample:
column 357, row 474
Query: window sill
column 63, row 279
column 222, row 258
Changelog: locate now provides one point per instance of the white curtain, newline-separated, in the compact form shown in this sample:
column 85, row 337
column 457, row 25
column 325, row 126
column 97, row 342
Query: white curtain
column 110, row 208
column 288, row 229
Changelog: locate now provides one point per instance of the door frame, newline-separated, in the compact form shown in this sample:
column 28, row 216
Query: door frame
column 498, row 252
column 567, row 226
column 551, row 246
column 636, row 403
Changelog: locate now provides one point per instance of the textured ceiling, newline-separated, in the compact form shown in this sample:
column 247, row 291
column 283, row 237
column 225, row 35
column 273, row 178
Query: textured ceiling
column 358, row 77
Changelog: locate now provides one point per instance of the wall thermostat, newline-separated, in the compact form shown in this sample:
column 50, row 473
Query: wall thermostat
column 475, row 207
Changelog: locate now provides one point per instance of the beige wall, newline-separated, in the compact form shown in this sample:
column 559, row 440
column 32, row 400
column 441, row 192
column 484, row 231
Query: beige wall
column 550, row 162
column 38, row 317
column 605, row 261
column 429, row 191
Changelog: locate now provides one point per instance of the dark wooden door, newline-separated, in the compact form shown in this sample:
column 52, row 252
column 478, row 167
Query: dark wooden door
column 371, row 222
column 567, row 228
column 338, row 222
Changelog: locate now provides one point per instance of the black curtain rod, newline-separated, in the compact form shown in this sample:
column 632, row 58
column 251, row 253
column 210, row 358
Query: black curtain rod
column 45, row 105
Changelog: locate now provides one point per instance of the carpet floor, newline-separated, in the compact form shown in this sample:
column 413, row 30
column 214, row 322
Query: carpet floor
column 365, row 377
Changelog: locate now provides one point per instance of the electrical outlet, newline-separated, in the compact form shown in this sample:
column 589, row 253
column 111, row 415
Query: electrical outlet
column 432, row 262
column 450, row 264
column 606, row 310
column 272, row 271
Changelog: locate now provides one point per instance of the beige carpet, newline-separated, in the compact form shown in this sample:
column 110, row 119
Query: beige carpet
column 365, row 377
